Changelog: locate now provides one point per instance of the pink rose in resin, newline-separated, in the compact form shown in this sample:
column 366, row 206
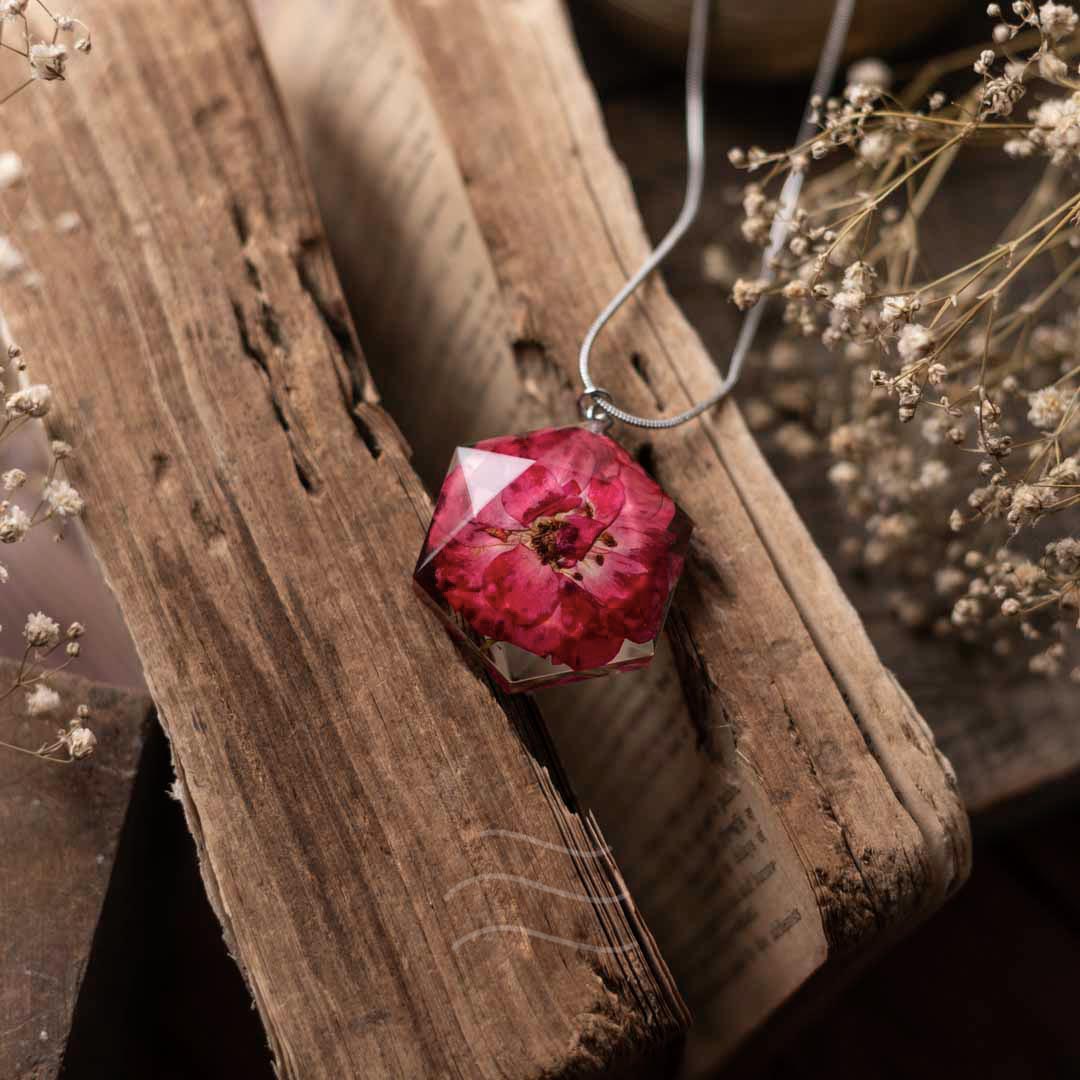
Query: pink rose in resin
column 556, row 542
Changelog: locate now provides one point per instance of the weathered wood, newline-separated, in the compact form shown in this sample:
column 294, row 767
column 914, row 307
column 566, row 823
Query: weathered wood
column 60, row 829
column 398, row 866
column 796, row 809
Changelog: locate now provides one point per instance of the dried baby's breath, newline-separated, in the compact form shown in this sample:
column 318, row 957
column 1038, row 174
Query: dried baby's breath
column 43, row 640
column 42, row 42
column 958, row 442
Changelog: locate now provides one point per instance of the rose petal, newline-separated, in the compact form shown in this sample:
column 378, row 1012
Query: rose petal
column 520, row 587
column 607, row 499
column 586, row 639
column 538, row 493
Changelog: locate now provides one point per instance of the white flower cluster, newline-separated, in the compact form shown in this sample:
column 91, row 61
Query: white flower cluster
column 45, row 53
column 1055, row 132
column 982, row 357
column 45, row 43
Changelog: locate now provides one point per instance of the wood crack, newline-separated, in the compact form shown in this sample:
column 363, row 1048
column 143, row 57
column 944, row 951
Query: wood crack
column 305, row 473
column 355, row 385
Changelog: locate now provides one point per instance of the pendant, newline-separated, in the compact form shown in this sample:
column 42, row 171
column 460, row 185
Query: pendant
column 552, row 557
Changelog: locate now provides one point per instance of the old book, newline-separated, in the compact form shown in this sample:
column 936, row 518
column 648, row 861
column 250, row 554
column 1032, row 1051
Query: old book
column 780, row 806
column 397, row 861
column 61, row 827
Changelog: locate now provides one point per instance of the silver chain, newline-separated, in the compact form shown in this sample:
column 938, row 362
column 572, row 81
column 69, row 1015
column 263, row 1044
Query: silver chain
column 595, row 401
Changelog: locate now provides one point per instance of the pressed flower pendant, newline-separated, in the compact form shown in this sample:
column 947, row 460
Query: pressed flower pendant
column 552, row 556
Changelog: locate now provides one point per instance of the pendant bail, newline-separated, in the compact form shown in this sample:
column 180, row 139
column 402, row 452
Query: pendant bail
column 597, row 418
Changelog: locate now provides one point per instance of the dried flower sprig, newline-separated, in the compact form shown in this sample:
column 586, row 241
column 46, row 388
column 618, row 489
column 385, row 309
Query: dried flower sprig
column 46, row 54
column 46, row 51
column 57, row 502
column 985, row 355
column 43, row 640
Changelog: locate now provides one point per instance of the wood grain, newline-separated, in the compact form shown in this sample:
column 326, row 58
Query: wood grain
column 61, row 829
column 793, row 736
column 357, row 795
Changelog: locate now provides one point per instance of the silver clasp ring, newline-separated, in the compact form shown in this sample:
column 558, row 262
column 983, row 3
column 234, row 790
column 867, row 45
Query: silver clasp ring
column 592, row 409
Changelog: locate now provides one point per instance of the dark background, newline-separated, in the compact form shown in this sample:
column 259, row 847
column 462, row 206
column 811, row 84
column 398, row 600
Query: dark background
column 985, row 989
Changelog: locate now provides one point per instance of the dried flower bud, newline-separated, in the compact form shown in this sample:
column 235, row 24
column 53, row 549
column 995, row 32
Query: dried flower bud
column 42, row 699
column 896, row 309
column 41, row 631
column 14, row 525
column 1047, row 406
column 843, row 474
column 13, row 479
column 47, row 60
column 30, row 401
column 64, row 501
column 915, row 343
column 871, row 72
column 1052, row 68
column 80, row 742
column 1028, row 503
column 966, row 611
column 746, row 294
column 1057, row 20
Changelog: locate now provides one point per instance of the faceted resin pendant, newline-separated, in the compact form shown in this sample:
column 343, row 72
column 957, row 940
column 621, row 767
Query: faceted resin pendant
column 552, row 556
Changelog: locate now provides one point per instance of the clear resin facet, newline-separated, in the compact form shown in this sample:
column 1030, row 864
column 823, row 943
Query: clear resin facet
column 552, row 556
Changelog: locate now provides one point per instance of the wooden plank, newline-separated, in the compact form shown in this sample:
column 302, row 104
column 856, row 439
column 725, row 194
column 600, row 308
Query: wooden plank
column 349, row 782
column 351, row 785
column 61, row 829
column 481, row 219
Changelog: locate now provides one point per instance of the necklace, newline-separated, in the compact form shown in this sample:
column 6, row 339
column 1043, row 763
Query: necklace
column 553, row 556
